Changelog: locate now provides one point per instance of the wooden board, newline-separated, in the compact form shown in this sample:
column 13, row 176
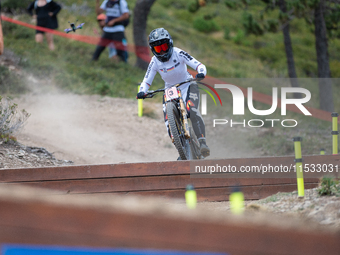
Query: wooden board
column 29, row 220
column 151, row 169
column 167, row 179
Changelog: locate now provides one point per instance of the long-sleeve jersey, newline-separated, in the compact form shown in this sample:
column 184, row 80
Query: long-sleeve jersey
column 173, row 71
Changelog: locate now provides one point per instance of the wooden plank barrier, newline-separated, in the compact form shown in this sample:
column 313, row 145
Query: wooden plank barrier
column 36, row 216
column 167, row 179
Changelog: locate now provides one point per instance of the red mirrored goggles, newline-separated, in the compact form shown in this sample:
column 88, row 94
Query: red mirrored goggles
column 163, row 47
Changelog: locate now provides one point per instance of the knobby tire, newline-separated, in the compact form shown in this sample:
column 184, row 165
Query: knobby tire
column 194, row 144
column 177, row 130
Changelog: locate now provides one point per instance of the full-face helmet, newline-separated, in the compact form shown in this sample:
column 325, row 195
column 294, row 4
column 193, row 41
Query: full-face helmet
column 161, row 44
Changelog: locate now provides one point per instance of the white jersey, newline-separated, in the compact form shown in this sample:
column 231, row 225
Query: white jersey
column 173, row 71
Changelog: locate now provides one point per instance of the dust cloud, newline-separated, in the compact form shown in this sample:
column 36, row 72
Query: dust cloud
column 104, row 130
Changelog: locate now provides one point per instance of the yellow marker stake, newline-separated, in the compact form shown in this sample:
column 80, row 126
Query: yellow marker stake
column 335, row 132
column 236, row 200
column 322, row 151
column 140, row 106
column 299, row 166
column 190, row 197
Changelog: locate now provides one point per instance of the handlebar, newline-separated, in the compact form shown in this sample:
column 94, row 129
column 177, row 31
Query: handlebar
column 151, row 94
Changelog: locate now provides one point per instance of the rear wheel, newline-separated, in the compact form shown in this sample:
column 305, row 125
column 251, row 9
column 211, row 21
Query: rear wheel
column 176, row 128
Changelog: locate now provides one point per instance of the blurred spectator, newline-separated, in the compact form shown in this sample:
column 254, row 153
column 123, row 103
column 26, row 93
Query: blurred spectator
column 101, row 18
column 116, row 12
column 46, row 15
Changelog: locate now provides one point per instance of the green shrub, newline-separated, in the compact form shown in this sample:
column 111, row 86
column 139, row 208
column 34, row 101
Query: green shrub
column 205, row 25
column 251, row 26
column 193, row 6
column 11, row 120
column 239, row 37
column 328, row 187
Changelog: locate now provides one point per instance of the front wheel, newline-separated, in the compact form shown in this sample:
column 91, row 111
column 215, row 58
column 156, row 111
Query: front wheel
column 177, row 131
column 194, row 145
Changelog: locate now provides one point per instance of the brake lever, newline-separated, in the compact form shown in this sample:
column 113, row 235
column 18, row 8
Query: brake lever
column 149, row 95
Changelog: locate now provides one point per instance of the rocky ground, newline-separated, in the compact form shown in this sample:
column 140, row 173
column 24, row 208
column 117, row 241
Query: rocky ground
column 322, row 209
column 16, row 155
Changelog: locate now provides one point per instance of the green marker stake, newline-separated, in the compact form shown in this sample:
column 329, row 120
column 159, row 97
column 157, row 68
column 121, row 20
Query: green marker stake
column 236, row 200
column 140, row 106
column 190, row 197
column 299, row 166
column 335, row 132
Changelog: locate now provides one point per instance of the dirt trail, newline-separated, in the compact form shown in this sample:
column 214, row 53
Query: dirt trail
column 102, row 130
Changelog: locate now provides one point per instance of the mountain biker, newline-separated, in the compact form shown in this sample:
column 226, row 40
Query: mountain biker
column 171, row 63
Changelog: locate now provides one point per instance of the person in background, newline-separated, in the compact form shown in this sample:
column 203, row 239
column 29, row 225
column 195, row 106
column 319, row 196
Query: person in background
column 46, row 16
column 101, row 18
column 113, row 31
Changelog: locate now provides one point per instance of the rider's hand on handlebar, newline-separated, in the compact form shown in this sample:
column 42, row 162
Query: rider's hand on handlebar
column 200, row 76
column 141, row 95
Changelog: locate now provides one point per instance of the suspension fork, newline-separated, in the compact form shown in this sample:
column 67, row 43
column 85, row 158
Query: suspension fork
column 184, row 115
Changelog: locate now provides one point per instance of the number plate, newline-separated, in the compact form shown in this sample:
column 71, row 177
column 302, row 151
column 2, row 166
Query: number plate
column 171, row 93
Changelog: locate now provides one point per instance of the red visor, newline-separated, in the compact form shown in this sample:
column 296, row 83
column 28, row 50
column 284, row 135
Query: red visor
column 161, row 47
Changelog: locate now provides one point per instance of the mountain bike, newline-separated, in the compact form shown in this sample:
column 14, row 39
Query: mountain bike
column 182, row 133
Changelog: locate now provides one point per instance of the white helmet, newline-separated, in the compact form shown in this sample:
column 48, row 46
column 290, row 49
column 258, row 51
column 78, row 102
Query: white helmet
column 160, row 41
